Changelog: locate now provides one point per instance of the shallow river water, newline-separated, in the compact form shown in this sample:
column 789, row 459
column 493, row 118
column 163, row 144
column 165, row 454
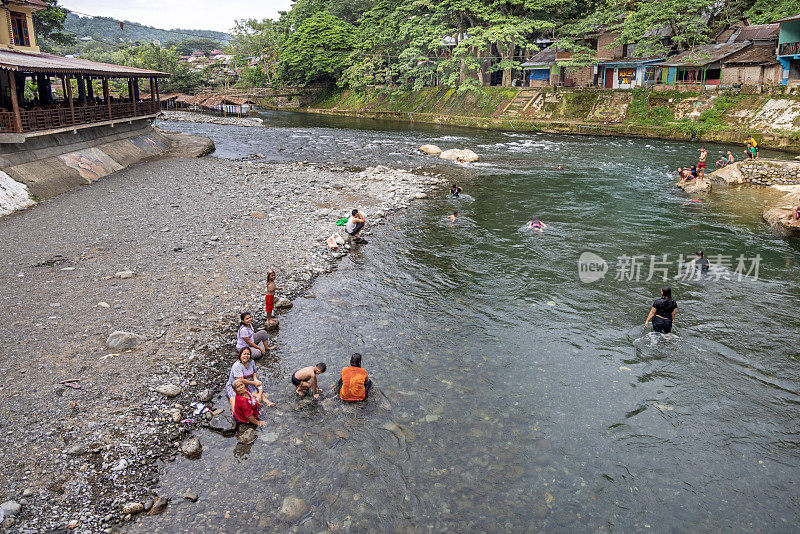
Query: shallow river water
column 510, row 395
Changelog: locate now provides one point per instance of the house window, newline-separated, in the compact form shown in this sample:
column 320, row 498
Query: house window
column 19, row 27
column 626, row 76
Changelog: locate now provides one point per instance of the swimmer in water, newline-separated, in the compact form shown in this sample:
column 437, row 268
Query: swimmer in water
column 559, row 168
column 455, row 191
column 453, row 217
column 537, row 224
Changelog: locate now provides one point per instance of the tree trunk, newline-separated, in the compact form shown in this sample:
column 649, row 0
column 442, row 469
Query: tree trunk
column 509, row 56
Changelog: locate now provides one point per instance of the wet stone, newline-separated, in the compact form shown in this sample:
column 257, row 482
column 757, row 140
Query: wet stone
column 292, row 508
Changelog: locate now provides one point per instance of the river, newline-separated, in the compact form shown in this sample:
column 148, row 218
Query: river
column 511, row 395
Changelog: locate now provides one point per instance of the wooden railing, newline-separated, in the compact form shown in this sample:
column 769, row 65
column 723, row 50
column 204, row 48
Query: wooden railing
column 789, row 49
column 61, row 117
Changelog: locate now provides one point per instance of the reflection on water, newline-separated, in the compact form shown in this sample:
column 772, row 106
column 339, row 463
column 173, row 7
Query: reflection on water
column 509, row 395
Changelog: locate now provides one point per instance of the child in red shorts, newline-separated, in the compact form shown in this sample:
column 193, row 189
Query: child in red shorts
column 269, row 299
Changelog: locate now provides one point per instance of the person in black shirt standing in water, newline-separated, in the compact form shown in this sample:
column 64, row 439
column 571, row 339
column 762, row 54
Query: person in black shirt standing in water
column 663, row 312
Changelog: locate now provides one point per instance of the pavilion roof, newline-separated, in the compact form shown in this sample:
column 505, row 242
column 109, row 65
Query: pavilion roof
column 41, row 62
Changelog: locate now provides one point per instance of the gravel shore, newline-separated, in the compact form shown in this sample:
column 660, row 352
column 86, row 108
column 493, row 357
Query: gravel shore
column 169, row 251
column 192, row 116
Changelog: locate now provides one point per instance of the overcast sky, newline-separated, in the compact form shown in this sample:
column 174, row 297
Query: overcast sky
column 185, row 14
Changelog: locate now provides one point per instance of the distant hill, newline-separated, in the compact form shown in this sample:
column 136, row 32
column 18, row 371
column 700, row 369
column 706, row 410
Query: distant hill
column 108, row 29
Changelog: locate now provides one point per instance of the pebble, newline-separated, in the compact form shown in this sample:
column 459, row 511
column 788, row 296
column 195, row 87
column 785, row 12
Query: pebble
column 246, row 436
column 103, row 304
column 133, row 508
column 159, row 505
column 168, row 390
column 189, row 496
column 292, row 508
column 11, row 508
column 119, row 340
column 191, row 448
column 205, row 396
column 125, row 274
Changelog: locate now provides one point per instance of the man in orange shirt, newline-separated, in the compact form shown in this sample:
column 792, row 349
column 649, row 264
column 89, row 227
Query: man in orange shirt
column 355, row 383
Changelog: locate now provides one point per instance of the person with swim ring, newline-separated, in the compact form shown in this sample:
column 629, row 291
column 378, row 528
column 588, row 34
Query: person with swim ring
column 536, row 224
column 663, row 312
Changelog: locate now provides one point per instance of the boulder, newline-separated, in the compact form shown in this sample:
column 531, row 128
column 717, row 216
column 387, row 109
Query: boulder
column 10, row 508
column 420, row 196
column 455, row 154
column 119, row 340
column 133, row 508
column 168, row 390
column 780, row 215
column 431, row 150
column 159, row 506
column 695, row 186
column 293, row 508
column 283, row 303
column 175, row 415
column 729, row 175
column 191, row 447
column 246, row 436
column 205, row 396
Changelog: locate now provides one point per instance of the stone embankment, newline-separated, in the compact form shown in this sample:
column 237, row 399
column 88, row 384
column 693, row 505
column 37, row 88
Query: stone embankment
column 192, row 116
column 783, row 176
column 118, row 312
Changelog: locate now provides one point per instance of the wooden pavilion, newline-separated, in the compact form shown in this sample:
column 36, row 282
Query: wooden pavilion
column 41, row 94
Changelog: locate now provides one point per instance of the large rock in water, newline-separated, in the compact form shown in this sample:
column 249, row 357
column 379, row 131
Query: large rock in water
column 780, row 215
column 695, row 186
column 119, row 340
column 730, row 175
column 431, row 150
column 455, row 154
column 293, row 508
column 191, row 448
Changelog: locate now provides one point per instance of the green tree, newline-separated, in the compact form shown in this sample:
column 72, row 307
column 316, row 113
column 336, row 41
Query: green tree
column 197, row 45
column 49, row 26
column 254, row 46
column 765, row 11
column 317, row 52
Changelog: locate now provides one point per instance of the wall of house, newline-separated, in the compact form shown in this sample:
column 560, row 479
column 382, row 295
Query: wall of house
column 747, row 74
column 605, row 47
column 6, row 38
column 790, row 32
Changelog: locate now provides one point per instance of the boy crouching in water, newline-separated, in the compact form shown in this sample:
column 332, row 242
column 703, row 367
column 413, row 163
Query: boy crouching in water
column 306, row 378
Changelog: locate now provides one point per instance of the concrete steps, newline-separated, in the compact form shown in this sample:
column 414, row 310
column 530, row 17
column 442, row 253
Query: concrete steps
column 520, row 103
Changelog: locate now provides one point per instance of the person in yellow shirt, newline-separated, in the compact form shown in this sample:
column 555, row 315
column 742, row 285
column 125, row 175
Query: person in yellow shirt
column 752, row 147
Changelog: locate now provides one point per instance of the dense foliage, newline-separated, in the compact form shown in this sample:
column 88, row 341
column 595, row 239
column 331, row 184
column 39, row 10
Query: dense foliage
column 463, row 43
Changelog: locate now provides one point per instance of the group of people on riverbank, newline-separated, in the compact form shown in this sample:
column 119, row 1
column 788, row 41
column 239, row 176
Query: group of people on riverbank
column 245, row 391
column 698, row 171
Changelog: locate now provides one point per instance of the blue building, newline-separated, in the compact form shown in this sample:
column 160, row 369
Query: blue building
column 789, row 49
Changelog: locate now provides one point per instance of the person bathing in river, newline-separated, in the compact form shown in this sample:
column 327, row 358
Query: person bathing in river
column 245, row 405
column 724, row 161
column 663, row 312
column 306, row 378
column 354, row 226
column 453, row 217
column 246, row 336
column 244, row 370
column 536, row 224
column 269, row 299
column 701, row 165
column 699, row 264
column 455, row 191
column 355, row 383
column 796, row 213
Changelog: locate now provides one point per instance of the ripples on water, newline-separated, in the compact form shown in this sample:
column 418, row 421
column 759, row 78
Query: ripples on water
column 510, row 396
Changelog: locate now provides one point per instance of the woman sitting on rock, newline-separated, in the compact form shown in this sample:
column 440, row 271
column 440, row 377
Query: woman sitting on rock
column 248, row 337
column 245, row 370
column 246, row 407
column 795, row 214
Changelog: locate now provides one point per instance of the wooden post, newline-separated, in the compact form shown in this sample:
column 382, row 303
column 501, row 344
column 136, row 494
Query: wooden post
column 69, row 98
column 81, row 89
column 130, row 92
column 158, row 95
column 15, row 102
column 89, row 89
column 63, row 87
column 153, row 93
column 107, row 96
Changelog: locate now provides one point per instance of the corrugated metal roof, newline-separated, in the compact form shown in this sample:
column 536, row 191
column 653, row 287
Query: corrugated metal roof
column 787, row 19
column 34, row 3
column 543, row 58
column 41, row 62
column 758, row 55
column 705, row 54
column 758, row 32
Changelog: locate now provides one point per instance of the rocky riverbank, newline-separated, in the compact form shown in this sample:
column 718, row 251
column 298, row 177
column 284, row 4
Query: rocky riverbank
column 192, row 116
column 783, row 176
column 129, row 289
